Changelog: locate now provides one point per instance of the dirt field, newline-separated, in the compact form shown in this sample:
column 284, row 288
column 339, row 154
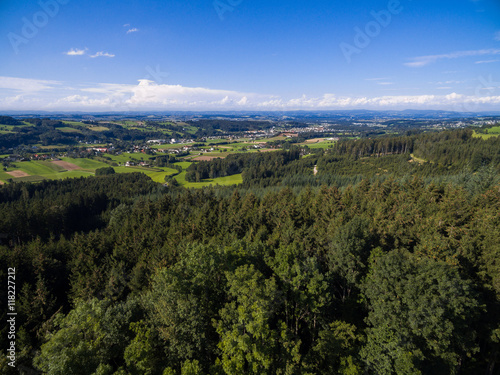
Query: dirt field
column 315, row 140
column 18, row 173
column 2, row 183
column 66, row 165
column 207, row 158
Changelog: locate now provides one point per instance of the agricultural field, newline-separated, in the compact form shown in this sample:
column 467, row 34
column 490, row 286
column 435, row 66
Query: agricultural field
column 223, row 181
column 98, row 128
column 318, row 143
column 40, row 170
column 492, row 132
column 156, row 174
column 124, row 157
column 171, row 146
column 89, row 164
column 75, row 123
column 72, row 168
column 10, row 128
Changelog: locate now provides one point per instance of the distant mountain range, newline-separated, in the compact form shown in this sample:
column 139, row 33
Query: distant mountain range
column 272, row 115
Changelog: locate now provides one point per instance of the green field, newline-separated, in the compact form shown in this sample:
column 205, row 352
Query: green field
column 86, row 163
column 492, row 132
column 223, row 181
column 123, row 158
column 156, row 174
column 40, row 170
column 75, row 123
column 323, row 144
column 171, row 146
column 98, row 128
column 484, row 136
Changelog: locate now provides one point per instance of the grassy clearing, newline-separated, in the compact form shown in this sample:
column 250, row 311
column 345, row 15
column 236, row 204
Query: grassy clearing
column 86, row 163
column 190, row 129
column 324, row 144
column 156, row 174
column 279, row 138
column 184, row 164
column 74, row 123
column 494, row 130
column 123, row 158
column 4, row 176
column 484, row 136
column 29, row 179
column 217, row 154
column 50, row 147
column 98, row 128
column 54, row 167
column 160, row 176
column 223, row 181
column 4, row 129
column 171, row 146
column 72, row 174
column 38, row 168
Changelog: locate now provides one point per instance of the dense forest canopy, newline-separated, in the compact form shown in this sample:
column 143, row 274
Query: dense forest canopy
column 346, row 271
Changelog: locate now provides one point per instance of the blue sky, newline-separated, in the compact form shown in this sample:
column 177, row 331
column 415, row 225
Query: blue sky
column 76, row 55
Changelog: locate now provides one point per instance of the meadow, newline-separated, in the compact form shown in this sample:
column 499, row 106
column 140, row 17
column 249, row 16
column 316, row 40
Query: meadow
column 41, row 170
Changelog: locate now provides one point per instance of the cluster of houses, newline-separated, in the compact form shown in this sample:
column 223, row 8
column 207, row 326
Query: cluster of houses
column 131, row 163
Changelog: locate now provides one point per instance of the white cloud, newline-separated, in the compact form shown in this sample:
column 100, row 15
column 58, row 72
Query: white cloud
column 133, row 30
column 426, row 60
column 102, row 54
column 148, row 95
column 26, row 84
column 76, row 52
column 486, row 61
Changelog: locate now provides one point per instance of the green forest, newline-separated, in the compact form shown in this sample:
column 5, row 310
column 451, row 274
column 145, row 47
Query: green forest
column 375, row 256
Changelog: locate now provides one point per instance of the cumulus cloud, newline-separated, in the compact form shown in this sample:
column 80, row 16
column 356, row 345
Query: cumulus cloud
column 149, row 95
column 418, row 62
column 76, row 52
column 133, row 30
column 102, row 54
